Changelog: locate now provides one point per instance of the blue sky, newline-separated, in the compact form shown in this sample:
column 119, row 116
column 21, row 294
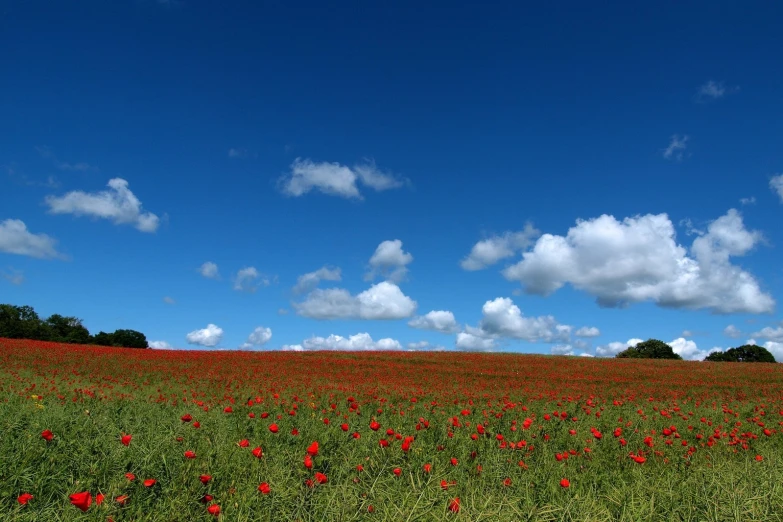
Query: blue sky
column 544, row 178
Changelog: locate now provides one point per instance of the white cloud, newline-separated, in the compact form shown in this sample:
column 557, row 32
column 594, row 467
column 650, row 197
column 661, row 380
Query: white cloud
column 168, row 300
column 686, row 333
column 676, row 148
column 246, row 277
column 161, row 345
column 613, row 348
column 732, row 331
column 688, row 350
column 209, row 270
column 501, row 317
column 421, row 346
column 748, row 201
column 118, row 204
column 772, row 334
column 358, row 342
column 489, row 251
column 588, row 331
column 334, row 179
column 307, row 282
column 258, row 337
column 439, row 320
column 638, row 260
column 16, row 239
column 209, row 336
column 13, row 276
column 712, row 90
column 567, row 349
column 776, row 184
column 381, row 301
column 774, row 347
column 292, row 348
column 474, row 339
column 389, row 260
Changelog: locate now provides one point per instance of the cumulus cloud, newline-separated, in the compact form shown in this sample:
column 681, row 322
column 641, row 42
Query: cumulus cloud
column 161, row 345
column 384, row 300
column 776, row 184
column 567, row 349
column 438, row 320
column 613, row 348
column 491, row 250
column 639, row 260
column 676, row 148
column 16, row 239
column 245, row 279
column 258, row 337
column 503, row 318
column 475, row 339
column 588, row 331
column 772, row 334
column 774, row 347
column 688, row 350
column 307, row 282
column 389, row 261
column 358, row 342
column 422, row 346
column 732, row 331
column 209, row 336
column 334, row 179
column 209, row 270
column 117, row 204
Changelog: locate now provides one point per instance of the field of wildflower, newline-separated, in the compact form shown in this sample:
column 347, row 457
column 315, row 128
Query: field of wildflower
column 109, row 434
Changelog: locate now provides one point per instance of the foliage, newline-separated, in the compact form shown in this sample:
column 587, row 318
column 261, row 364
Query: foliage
column 744, row 353
column 649, row 349
column 22, row 322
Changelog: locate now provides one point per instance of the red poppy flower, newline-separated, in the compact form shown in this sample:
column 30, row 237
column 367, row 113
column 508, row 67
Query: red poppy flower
column 759, row 458
column 186, row 418
column 258, row 452
column 47, row 435
column 454, row 505
column 130, row 476
column 308, row 462
column 149, row 483
column 312, row 449
column 273, row 428
column 321, row 478
column 374, row 426
column 205, row 478
column 454, row 461
column 227, row 409
column 197, row 424
column 214, row 510
column 122, row 499
column 126, row 439
column 397, row 471
column 190, row 455
column 507, row 482
column 344, row 427
column 99, row 499
column 427, row 468
column 264, row 488
column 206, row 498
column 24, row 498
column 81, row 500
column 565, row 483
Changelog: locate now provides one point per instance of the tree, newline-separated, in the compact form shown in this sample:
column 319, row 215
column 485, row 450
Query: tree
column 649, row 349
column 744, row 353
column 67, row 329
column 20, row 322
column 102, row 339
column 129, row 339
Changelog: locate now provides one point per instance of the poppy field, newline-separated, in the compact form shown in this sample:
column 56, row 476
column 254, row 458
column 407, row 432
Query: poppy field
column 110, row 434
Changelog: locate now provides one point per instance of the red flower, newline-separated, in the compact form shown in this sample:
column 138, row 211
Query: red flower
column 47, row 435
column 206, row 498
column 507, row 482
column 205, row 478
column 264, row 488
column 149, row 483
column 258, row 452
column 24, row 498
column 308, row 462
column 125, row 439
column 186, row 418
column 312, row 449
column 81, row 500
column 565, row 483
column 122, row 499
column 321, row 478
column 244, row 443
column 397, row 471
column 454, row 505
column 130, row 476
column 197, row 424
column 227, row 409
column 273, row 428
column 190, row 455
column 454, row 461
column 759, row 458
column 427, row 468
column 374, row 426
column 344, row 427
column 214, row 510
column 99, row 499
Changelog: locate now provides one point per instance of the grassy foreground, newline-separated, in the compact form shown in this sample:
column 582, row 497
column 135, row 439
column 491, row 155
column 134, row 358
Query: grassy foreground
column 400, row 436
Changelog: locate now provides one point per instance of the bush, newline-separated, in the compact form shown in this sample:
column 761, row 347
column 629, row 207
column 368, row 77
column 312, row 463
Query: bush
column 744, row 353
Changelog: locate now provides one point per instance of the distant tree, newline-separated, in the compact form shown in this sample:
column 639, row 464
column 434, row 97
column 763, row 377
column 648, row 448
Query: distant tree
column 744, row 353
column 102, row 339
column 67, row 329
column 649, row 349
column 20, row 322
column 129, row 339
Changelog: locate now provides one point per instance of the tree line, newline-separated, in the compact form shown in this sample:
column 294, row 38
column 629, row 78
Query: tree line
column 22, row 322
column 655, row 349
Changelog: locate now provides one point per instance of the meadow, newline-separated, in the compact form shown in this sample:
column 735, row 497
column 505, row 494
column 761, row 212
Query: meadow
column 99, row 434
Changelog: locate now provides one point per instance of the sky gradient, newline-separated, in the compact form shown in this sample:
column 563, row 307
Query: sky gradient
column 530, row 178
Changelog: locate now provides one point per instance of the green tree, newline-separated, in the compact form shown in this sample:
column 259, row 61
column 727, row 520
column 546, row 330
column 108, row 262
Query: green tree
column 102, row 339
column 67, row 329
column 744, row 353
column 649, row 349
column 21, row 322
column 129, row 339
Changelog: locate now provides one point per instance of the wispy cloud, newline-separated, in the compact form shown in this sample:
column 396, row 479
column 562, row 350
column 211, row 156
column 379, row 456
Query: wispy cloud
column 209, row 270
column 676, row 148
column 712, row 90
column 776, row 184
column 16, row 239
column 13, row 276
column 335, row 179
